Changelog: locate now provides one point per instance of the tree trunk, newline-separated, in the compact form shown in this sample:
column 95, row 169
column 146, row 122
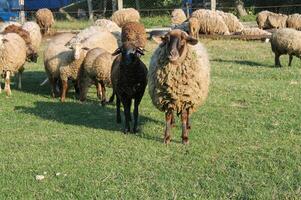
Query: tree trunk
column 137, row 5
column 90, row 8
column 104, row 7
column 114, row 5
column 120, row 4
column 240, row 8
column 213, row 5
column 22, row 13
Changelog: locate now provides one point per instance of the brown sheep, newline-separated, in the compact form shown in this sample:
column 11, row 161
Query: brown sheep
column 194, row 27
column 45, row 20
column 135, row 33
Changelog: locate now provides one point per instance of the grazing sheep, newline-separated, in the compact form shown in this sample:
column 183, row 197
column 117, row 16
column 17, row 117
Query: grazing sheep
column 178, row 16
column 35, row 34
column 45, row 20
column 56, row 55
column 96, row 69
column 135, row 33
column 286, row 41
column 277, row 21
column 210, row 22
column 12, row 58
column 194, row 27
column 232, row 22
column 255, row 31
column 103, row 39
column 179, row 76
column 294, row 21
column 261, row 19
column 6, row 24
column 121, row 17
column 111, row 27
column 31, row 53
column 129, row 80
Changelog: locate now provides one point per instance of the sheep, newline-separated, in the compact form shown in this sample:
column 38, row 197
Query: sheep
column 57, row 54
column 179, row 76
column 103, row 39
column 286, row 41
column 277, row 21
column 210, row 22
column 255, row 31
column 31, row 53
column 294, row 21
column 111, row 27
column 261, row 19
column 121, row 17
column 12, row 58
column 194, row 27
column 45, row 20
column 233, row 24
column 96, row 69
column 129, row 80
column 135, row 33
column 178, row 16
column 6, row 24
column 35, row 34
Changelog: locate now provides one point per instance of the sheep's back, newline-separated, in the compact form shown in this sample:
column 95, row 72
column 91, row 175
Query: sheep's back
column 35, row 34
column 182, row 86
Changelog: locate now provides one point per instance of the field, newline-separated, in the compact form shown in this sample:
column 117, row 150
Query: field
column 244, row 144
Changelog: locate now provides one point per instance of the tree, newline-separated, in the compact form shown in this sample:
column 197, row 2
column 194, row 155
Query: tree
column 213, row 5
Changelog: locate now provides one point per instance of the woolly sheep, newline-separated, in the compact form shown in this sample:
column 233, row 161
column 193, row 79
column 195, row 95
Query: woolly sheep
column 178, row 16
column 277, row 21
column 255, row 31
column 261, row 19
column 179, row 79
column 135, row 33
column 232, row 22
column 6, row 24
column 35, row 34
column 45, row 20
column 111, row 27
column 294, row 21
column 121, row 17
column 194, row 27
column 12, row 58
column 211, row 22
column 96, row 69
column 286, row 41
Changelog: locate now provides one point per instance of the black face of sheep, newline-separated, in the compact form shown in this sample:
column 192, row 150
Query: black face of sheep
column 176, row 42
column 129, row 53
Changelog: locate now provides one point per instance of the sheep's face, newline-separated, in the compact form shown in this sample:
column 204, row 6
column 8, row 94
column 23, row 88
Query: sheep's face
column 176, row 44
column 32, row 56
column 129, row 53
column 2, row 41
column 78, row 50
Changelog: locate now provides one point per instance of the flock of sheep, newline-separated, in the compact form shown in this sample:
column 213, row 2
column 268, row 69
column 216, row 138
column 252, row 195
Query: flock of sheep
column 108, row 53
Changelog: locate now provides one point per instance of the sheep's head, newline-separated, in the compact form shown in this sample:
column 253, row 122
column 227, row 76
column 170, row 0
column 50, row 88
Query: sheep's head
column 3, row 40
column 78, row 48
column 176, row 44
column 129, row 52
column 31, row 55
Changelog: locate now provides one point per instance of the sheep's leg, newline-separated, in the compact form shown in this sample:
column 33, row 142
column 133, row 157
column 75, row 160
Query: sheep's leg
column 7, row 83
column 118, row 110
column 290, row 60
column 112, row 97
column 168, row 126
column 277, row 60
column 188, row 120
column 184, row 118
column 103, row 91
column 98, row 89
column 64, row 90
column 173, row 120
column 76, row 87
column 53, row 86
column 136, row 114
column 20, row 80
column 0, row 85
column 127, row 114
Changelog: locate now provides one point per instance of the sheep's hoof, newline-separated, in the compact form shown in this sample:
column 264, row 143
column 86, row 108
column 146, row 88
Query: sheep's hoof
column 135, row 130
column 103, row 103
column 185, row 141
column 167, row 140
column 62, row 100
column 126, row 130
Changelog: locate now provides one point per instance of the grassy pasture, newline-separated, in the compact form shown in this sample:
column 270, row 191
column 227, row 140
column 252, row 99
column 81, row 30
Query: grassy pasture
column 244, row 144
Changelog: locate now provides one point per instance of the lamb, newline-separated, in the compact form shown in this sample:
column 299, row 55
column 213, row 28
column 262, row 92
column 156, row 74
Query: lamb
column 102, row 39
column 96, row 69
column 286, row 41
column 12, row 58
column 294, row 21
column 210, row 22
column 277, row 21
column 45, row 20
column 129, row 80
column 179, row 76
column 194, row 27
column 35, row 34
column 111, row 27
column 121, row 17
column 231, row 21
column 31, row 53
column 134, row 32
column 178, row 16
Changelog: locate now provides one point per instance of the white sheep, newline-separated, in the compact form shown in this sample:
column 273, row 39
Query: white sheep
column 35, row 34
column 178, row 80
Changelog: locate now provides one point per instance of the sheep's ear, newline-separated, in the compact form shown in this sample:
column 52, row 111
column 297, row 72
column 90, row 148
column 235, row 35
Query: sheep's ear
column 140, row 51
column 191, row 40
column 86, row 48
column 4, row 40
column 158, row 39
column 116, row 52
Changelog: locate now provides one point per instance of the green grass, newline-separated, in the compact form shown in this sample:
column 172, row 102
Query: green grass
column 244, row 143
column 248, row 18
column 71, row 25
column 156, row 21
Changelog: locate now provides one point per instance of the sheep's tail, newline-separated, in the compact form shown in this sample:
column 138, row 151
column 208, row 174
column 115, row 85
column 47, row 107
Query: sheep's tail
column 44, row 82
column 267, row 40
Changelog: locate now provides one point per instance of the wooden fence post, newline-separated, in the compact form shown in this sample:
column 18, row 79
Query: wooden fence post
column 22, row 13
column 90, row 8
column 120, row 4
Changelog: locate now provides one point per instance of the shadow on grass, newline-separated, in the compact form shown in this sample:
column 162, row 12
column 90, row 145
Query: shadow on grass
column 31, row 81
column 244, row 62
column 88, row 115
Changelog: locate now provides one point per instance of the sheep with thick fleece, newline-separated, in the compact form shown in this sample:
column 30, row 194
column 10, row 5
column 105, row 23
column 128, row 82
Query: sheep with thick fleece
column 277, row 21
column 12, row 58
column 294, row 21
column 35, row 34
column 45, row 20
column 194, row 27
column 178, row 16
column 261, row 19
column 96, row 69
column 178, row 80
column 286, row 41
column 135, row 33
column 6, row 24
column 255, row 31
column 211, row 22
column 232, row 22
column 121, row 17
column 111, row 27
